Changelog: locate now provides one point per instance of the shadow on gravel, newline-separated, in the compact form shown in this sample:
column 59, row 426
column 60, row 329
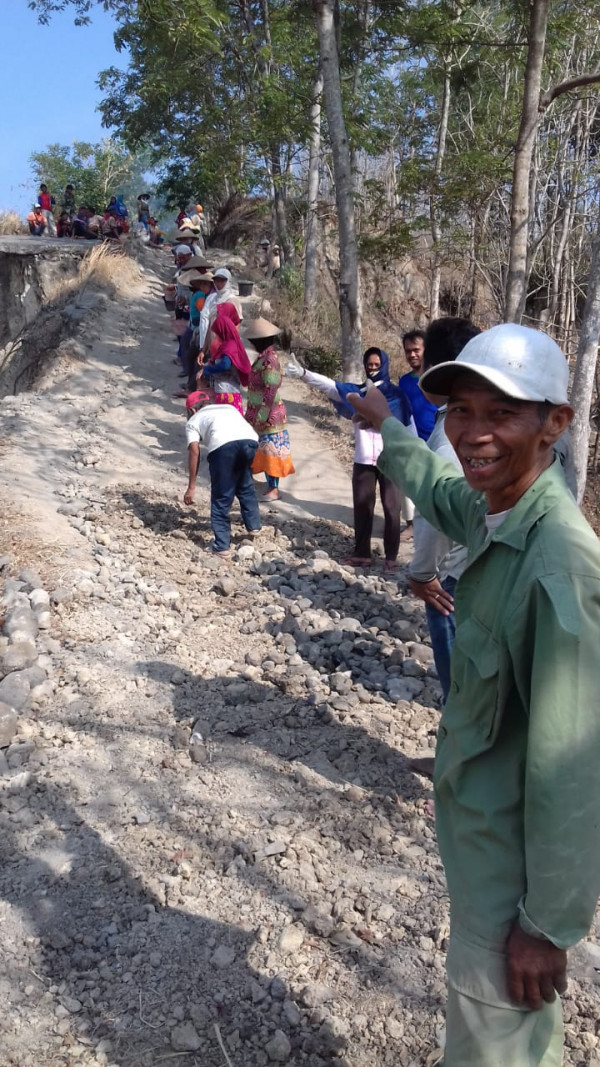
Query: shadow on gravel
column 308, row 533
column 293, row 730
column 124, row 964
column 165, row 518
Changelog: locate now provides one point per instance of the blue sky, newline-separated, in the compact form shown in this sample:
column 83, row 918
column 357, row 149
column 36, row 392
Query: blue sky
column 48, row 89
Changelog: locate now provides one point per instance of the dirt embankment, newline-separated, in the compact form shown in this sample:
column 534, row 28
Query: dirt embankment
column 271, row 892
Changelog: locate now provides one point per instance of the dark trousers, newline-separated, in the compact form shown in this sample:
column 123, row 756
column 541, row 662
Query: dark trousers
column 81, row 229
column 365, row 479
column 231, row 476
column 184, row 348
column 192, row 361
column 441, row 630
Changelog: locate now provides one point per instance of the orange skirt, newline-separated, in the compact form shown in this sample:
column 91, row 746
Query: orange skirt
column 273, row 455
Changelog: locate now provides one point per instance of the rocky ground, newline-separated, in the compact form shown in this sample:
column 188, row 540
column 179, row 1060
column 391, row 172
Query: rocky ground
column 213, row 850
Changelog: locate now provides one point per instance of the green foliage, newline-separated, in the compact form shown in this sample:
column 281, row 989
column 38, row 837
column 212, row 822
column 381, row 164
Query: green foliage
column 290, row 279
column 396, row 240
column 218, row 93
column 97, row 171
column 323, row 360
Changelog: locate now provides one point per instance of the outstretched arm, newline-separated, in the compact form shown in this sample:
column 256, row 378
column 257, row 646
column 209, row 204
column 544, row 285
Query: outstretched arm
column 323, row 383
column 439, row 491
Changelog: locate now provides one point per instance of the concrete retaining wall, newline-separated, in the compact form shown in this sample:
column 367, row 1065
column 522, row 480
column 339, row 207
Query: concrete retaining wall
column 30, row 270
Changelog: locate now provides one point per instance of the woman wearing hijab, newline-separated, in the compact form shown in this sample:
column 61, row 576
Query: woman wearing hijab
column 228, row 366
column 367, row 446
column 266, row 411
column 225, row 292
column 198, row 287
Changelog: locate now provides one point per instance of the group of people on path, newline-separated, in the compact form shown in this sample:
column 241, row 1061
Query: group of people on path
column 215, row 365
column 476, row 435
column 86, row 221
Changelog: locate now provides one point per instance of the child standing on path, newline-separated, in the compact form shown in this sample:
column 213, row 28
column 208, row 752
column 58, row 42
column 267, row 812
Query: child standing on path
column 230, row 446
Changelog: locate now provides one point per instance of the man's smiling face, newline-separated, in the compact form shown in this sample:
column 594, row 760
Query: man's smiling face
column 503, row 444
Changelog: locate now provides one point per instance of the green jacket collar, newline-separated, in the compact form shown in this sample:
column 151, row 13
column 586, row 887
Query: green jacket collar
column 548, row 490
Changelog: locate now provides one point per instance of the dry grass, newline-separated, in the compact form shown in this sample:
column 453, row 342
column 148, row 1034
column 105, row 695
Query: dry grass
column 11, row 223
column 106, row 266
column 318, row 330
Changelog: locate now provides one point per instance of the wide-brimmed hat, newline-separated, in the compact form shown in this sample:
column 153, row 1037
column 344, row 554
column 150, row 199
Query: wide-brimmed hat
column 196, row 262
column 261, row 328
column 194, row 278
column 187, row 233
column 520, row 362
column 144, row 196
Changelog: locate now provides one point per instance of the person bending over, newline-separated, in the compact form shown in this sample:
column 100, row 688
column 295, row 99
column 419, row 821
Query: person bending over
column 230, row 448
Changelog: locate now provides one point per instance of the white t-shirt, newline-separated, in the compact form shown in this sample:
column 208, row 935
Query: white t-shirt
column 494, row 521
column 218, row 424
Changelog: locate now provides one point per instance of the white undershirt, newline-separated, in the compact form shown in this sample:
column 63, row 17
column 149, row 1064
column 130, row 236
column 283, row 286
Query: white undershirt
column 494, row 521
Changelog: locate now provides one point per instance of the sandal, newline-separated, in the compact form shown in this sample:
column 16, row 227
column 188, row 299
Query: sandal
column 272, row 494
column 224, row 552
column 390, row 565
column 181, row 394
column 356, row 561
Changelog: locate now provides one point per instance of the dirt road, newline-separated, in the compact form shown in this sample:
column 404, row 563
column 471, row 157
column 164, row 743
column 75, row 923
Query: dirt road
column 271, row 893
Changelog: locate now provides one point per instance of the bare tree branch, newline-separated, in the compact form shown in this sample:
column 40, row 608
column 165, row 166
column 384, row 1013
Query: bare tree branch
column 547, row 97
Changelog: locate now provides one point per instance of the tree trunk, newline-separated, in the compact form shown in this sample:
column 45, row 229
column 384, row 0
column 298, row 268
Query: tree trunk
column 585, row 369
column 434, row 215
column 279, row 208
column 364, row 20
column 349, row 292
column 312, row 222
column 516, row 284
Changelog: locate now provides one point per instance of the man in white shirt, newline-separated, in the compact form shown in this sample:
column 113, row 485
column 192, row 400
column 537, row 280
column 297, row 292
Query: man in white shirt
column 438, row 563
column 230, row 445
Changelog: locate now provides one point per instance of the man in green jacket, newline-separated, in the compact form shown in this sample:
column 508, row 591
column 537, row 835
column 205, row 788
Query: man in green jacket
column 516, row 772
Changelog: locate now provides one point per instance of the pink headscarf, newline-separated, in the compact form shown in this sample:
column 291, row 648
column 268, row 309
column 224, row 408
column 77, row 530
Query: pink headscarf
column 225, row 327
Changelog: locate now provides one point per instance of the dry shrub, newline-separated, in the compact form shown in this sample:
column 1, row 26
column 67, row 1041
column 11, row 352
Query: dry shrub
column 11, row 223
column 106, row 266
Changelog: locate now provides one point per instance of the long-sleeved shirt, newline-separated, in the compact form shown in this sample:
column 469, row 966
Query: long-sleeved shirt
column 516, row 778
column 265, row 409
column 423, row 411
column 204, row 323
column 435, row 555
column 367, row 443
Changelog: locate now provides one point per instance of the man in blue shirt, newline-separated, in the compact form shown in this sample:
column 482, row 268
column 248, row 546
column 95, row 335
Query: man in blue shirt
column 423, row 411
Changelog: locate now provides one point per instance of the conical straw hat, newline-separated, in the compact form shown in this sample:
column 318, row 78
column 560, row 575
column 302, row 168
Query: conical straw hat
column 261, row 328
column 193, row 278
column 197, row 261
